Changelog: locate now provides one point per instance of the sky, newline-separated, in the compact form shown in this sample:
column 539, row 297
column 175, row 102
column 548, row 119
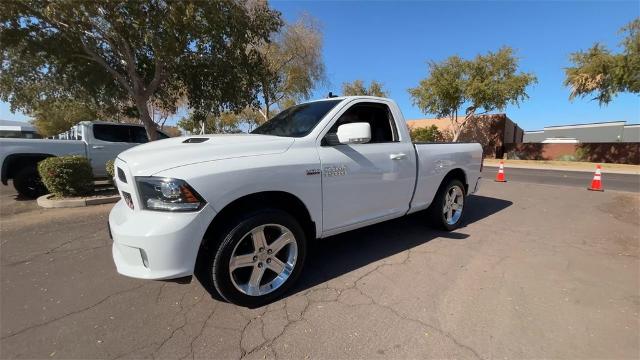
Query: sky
column 391, row 42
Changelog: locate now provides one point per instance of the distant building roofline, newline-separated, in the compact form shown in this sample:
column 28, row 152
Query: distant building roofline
column 560, row 140
column 12, row 125
column 585, row 125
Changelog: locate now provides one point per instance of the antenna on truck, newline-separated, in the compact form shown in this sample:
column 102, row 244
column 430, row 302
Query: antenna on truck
column 331, row 95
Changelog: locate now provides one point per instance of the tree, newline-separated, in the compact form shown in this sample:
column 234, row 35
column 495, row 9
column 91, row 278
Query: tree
column 294, row 64
column 160, row 113
column 53, row 118
column 137, row 52
column 172, row 131
column 426, row 134
column 224, row 123
column 357, row 87
column 486, row 83
column 252, row 118
column 598, row 71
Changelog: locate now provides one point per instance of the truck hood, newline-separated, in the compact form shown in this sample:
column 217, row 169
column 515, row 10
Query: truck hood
column 153, row 157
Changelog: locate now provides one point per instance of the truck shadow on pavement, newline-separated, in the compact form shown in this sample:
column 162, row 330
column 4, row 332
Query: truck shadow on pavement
column 337, row 255
column 340, row 254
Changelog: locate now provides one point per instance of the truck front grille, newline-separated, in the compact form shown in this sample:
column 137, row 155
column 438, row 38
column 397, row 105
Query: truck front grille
column 121, row 176
column 127, row 199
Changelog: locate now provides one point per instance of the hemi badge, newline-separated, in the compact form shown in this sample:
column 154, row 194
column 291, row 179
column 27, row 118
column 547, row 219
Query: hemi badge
column 313, row 172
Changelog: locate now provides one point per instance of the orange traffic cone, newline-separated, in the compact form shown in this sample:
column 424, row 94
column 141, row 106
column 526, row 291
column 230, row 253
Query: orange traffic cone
column 596, row 183
column 500, row 175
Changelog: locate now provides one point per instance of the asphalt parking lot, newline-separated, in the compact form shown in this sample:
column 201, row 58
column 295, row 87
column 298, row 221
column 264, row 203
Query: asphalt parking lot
column 538, row 271
column 581, row 179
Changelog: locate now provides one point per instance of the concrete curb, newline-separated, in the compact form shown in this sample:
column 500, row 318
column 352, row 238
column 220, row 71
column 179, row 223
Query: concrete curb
column 559, row 168
column 46, row 201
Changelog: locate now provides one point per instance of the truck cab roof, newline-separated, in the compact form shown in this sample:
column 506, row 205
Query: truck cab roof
column 105, row 122
column 353, row 97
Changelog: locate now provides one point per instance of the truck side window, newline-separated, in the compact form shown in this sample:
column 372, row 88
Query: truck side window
column 377, row 115
column 111, row 133
column 139, row 135
column 123, row 133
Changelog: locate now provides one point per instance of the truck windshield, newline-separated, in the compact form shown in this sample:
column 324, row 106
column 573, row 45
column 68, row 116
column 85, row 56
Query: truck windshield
column 297, row 121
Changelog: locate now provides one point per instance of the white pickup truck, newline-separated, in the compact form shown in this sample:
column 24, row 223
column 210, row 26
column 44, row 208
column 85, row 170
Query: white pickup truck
column 244, row 207
column 98, row 141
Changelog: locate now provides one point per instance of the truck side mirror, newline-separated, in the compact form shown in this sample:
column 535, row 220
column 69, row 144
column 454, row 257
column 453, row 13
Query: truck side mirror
column 354, row 133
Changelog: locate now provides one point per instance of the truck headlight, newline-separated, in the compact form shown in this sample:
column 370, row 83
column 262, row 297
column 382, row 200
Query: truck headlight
column 165, row 194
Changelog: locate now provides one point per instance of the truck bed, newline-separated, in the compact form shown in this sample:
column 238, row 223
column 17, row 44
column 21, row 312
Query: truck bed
column 435, row 160
column 42, row 146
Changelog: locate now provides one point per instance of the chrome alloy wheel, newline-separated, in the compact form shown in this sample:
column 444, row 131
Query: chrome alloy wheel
column 453, row 203
column 263, row 259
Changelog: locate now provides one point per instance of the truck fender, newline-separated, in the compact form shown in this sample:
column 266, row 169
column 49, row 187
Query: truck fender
column 457, row 173
column 13, row 162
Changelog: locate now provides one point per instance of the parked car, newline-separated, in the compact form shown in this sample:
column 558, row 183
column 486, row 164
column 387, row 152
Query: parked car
column 98, row 141
column 244, row 207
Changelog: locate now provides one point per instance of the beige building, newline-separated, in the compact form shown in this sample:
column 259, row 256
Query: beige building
column 493, row 131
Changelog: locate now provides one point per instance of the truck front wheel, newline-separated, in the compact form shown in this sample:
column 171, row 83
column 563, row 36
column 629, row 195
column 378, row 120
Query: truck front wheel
column 447, row 208
column 260, row 256
column 27, row 183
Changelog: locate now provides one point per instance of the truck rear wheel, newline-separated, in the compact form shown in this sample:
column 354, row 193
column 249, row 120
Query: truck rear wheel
column 27, row 183
column 260, row 256
column 447, row 208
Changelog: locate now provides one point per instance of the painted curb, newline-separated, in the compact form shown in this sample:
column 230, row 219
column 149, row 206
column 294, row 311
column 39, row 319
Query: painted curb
column 557, row 168
column 46, row 201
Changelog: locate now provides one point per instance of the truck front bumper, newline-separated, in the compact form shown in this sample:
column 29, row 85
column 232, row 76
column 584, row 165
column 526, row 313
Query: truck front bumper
column 154, row 244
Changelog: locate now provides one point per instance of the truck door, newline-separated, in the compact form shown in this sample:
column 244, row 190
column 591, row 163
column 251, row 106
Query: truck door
column 108, row 141
column 366, row 182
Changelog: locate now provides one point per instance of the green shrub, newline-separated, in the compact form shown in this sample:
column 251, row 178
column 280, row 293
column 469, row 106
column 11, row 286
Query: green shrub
column 582, row 154
column 67, row 175
column 426, row 134
column 111, row 170
column 513, row 155
column 568, row 157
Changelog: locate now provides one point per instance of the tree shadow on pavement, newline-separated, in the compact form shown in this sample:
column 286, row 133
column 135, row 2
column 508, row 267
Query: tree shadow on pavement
column 334, row 256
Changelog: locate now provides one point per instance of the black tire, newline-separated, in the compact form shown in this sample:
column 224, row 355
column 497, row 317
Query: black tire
column 27, row 183
column 436, row 212
column 217, row 260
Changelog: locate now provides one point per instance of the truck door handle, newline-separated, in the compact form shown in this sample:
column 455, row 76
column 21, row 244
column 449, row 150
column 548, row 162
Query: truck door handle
column 398, row 156
column 97, row 147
